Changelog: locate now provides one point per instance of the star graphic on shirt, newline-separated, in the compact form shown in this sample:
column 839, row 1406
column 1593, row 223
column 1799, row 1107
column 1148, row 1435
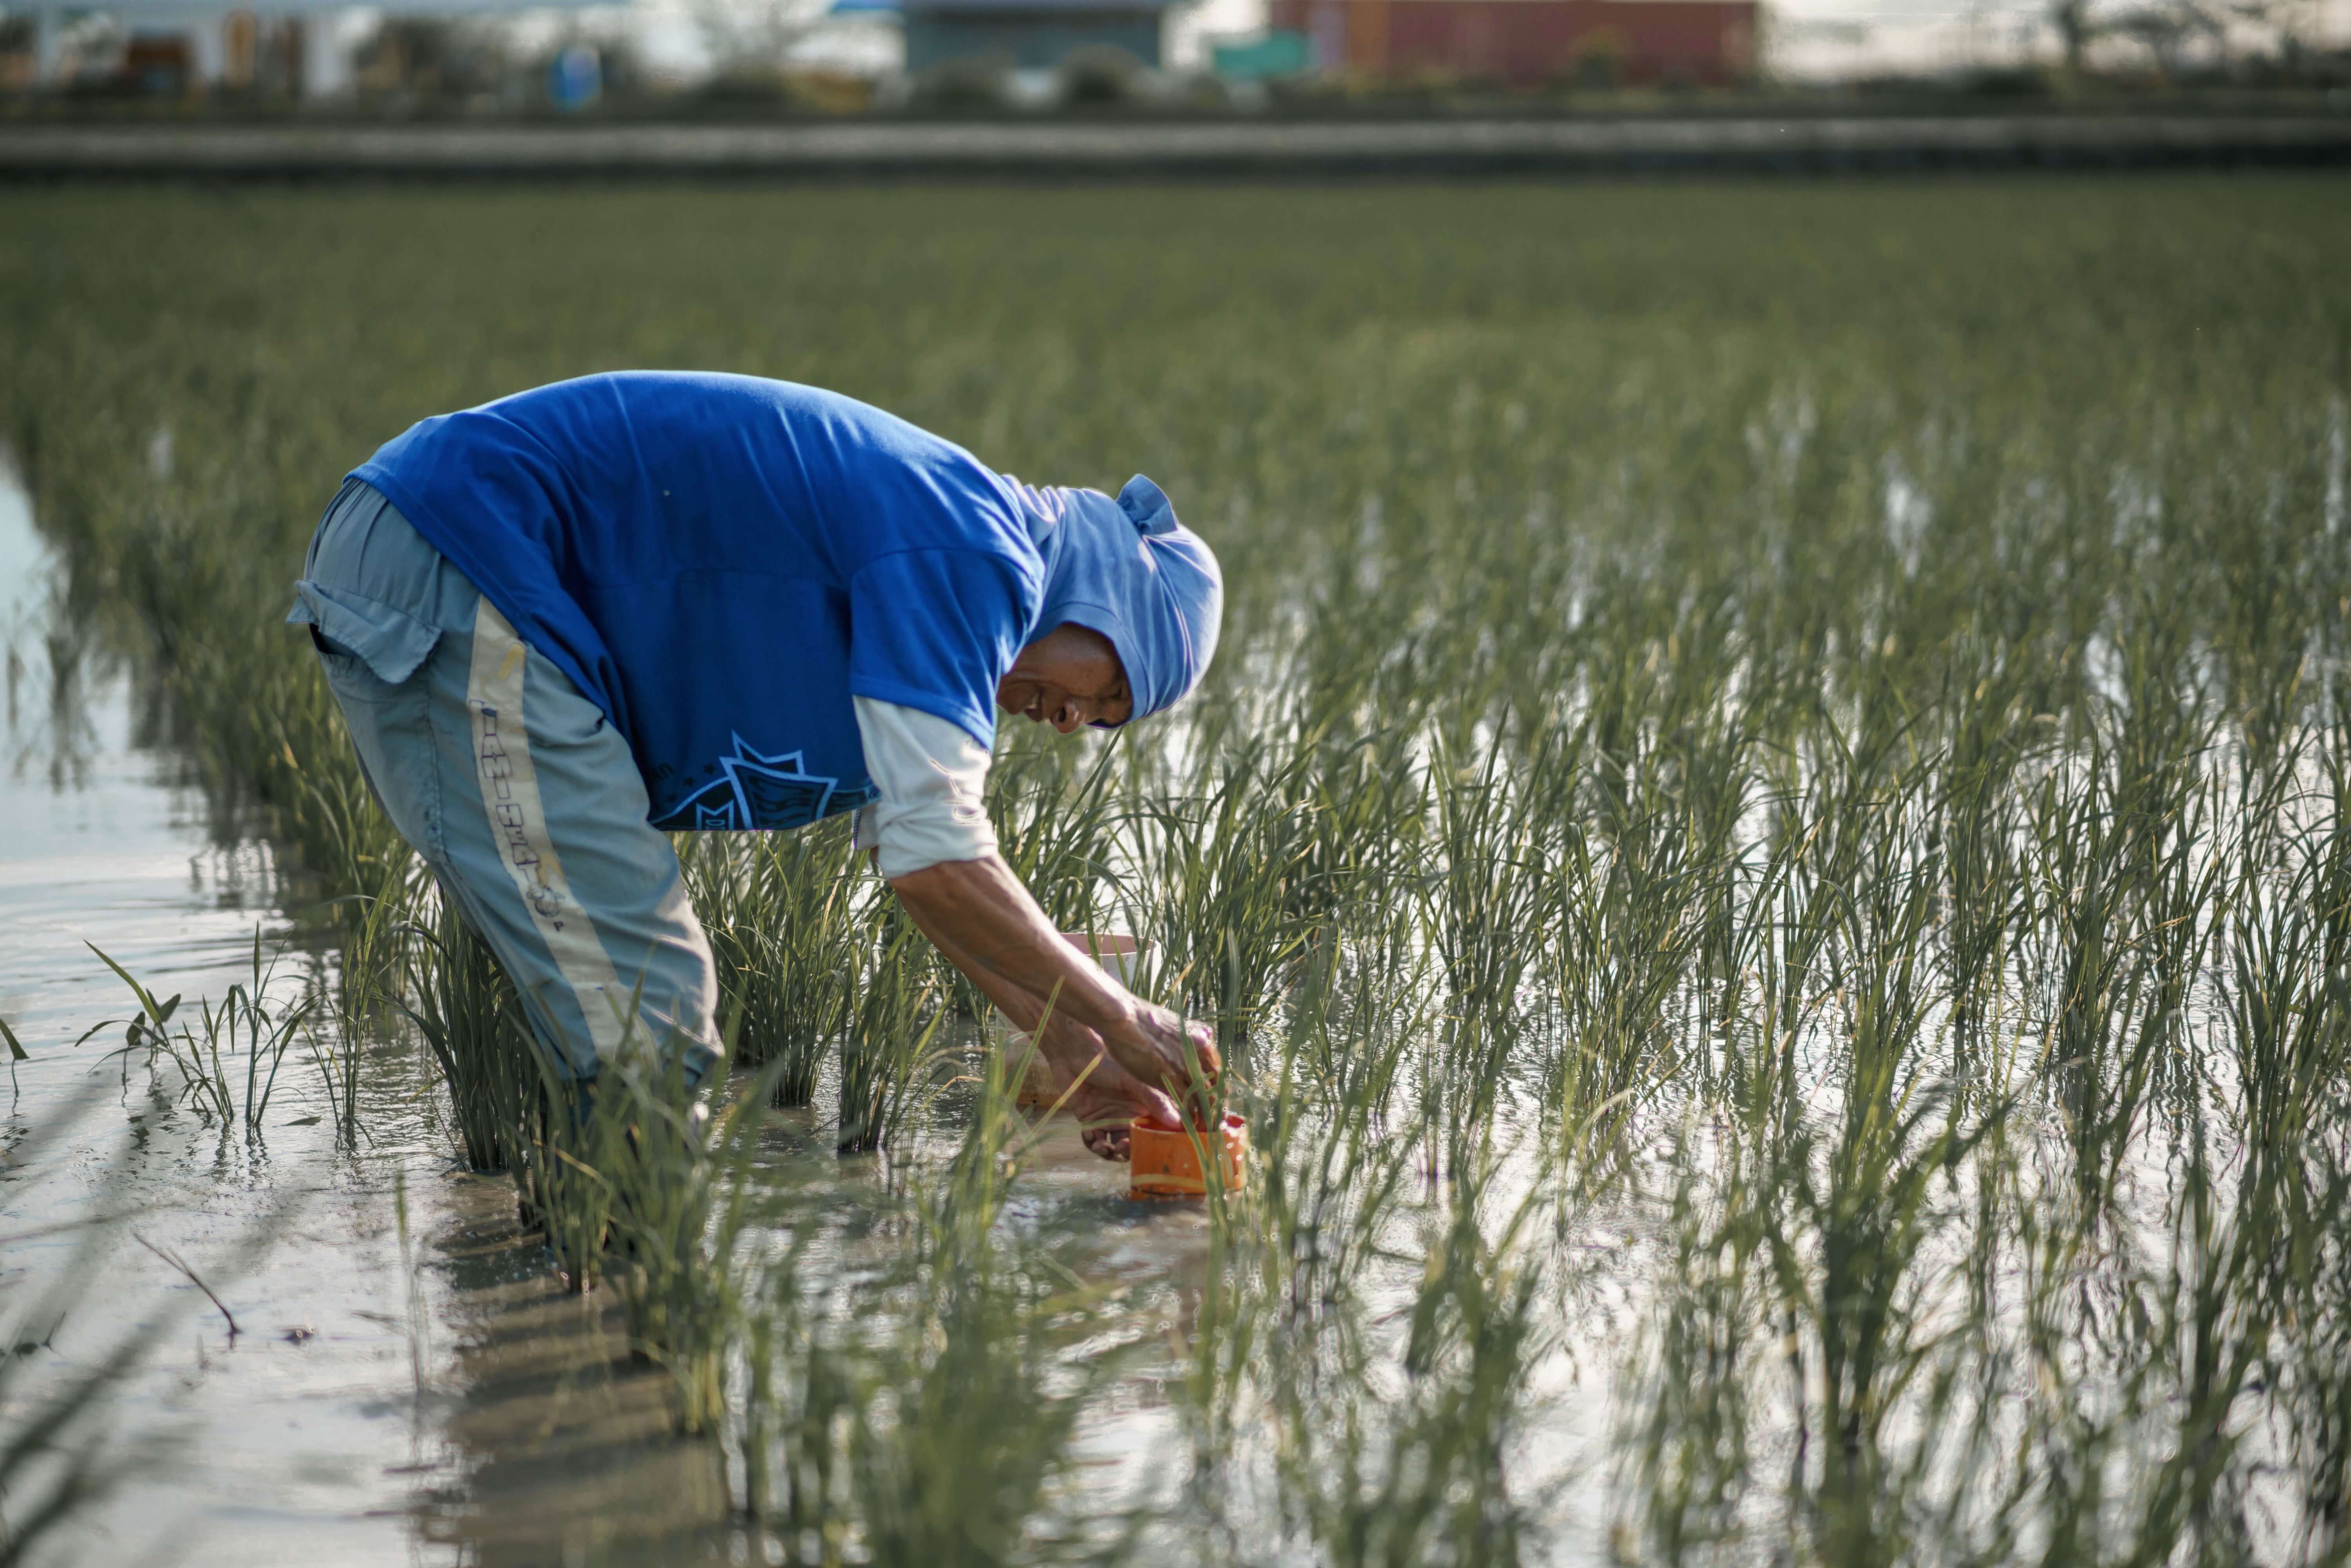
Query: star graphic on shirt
column 755, row 789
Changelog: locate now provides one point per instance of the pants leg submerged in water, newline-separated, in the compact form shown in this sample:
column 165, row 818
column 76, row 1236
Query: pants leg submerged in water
column 523, row 801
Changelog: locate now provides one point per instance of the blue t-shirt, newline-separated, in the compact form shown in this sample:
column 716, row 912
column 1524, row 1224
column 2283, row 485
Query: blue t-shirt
column 721, row 562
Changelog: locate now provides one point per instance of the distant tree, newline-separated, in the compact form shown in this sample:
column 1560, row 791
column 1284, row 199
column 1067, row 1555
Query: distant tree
column 2072, row 19
column 434, row 57
column 2168, row 29
column 2290, row 26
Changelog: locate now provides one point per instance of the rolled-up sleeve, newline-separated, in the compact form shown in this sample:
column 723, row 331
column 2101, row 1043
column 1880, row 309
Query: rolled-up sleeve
column 932, row 776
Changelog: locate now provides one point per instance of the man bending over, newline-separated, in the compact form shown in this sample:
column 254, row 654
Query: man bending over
column 563, row 623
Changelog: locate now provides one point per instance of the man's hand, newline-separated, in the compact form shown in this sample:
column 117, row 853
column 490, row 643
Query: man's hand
column 1159, row 1046
column 1102, row 1095
column 979, row 916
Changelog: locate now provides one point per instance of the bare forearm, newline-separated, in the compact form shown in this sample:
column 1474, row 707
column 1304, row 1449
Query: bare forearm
column 1023, row 1007
column 978, row 914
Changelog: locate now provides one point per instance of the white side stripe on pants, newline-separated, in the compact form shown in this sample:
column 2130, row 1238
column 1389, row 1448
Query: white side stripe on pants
column 509, row 783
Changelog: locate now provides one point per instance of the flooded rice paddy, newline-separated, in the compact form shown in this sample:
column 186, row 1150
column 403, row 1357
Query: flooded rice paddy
column 1770, row 846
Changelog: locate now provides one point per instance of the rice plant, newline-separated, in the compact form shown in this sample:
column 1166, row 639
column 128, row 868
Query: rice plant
column 679, row 1190
column 925, row 1411
column 888, row 1059
column 203, row 1047
column 780, row 911
column 461, row 1001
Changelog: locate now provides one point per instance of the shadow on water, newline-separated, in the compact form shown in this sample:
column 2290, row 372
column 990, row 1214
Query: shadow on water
column 552, row 1434
column 548, row 1434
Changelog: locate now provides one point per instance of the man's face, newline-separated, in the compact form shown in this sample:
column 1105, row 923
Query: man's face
column 1068, row 678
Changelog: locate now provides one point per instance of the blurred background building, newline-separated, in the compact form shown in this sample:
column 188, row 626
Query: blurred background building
column 1031, row 35
column 835, row 56
column 286, row 51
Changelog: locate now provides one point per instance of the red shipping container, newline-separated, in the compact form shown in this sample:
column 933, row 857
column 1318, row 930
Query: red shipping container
column 1531, row 43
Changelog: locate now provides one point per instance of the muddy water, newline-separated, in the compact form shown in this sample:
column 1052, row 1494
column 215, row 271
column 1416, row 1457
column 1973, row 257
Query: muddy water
column 433, row 1396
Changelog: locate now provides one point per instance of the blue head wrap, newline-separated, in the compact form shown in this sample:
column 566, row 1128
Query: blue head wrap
column 1128, row 569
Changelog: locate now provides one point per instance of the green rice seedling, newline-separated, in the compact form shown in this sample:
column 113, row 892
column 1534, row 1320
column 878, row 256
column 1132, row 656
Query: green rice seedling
column 1338, row 1133
column 1492, row 852
column 959, row 1466
column 1364, row 803
column 887, row 1058
column 621, row 1162
column 2292, row 1036
column 801, row 1400
column 462, row 1002
column 1979, row 832
column 958, row 1461
column 210, row 1075
column 2289, row 952
column 1622, row 938
column 1213, row 874
column 1427, row 1477
column 1693, row 1408
column 369, row 925
column 1055, row 819
column 16, row 1053
column 561, row 1194
column 679, row 1196
column 2291, row 1029
column 2310, row 1363
column 2132, row 896
column 2276, row 590
column 929, row 1417
column 2196, row 1356
column 370, row 982
column 784, row 914
column 1862, row 1298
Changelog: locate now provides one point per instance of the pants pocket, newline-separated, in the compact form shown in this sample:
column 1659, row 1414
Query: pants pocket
column 349, row 628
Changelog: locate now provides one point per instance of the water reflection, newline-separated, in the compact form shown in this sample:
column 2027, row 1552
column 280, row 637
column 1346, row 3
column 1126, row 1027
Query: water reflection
column 555, row 1441
column 102, row 842
column 50, row 731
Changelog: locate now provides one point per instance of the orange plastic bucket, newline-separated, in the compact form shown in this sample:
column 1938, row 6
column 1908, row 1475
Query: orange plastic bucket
column 1166, row 1160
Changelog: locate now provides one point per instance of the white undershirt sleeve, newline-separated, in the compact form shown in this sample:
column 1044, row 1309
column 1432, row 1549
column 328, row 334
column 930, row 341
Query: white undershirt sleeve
column 931, row 776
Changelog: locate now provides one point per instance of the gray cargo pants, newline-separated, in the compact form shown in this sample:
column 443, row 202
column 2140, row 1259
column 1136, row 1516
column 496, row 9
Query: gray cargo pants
column 524, row 801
